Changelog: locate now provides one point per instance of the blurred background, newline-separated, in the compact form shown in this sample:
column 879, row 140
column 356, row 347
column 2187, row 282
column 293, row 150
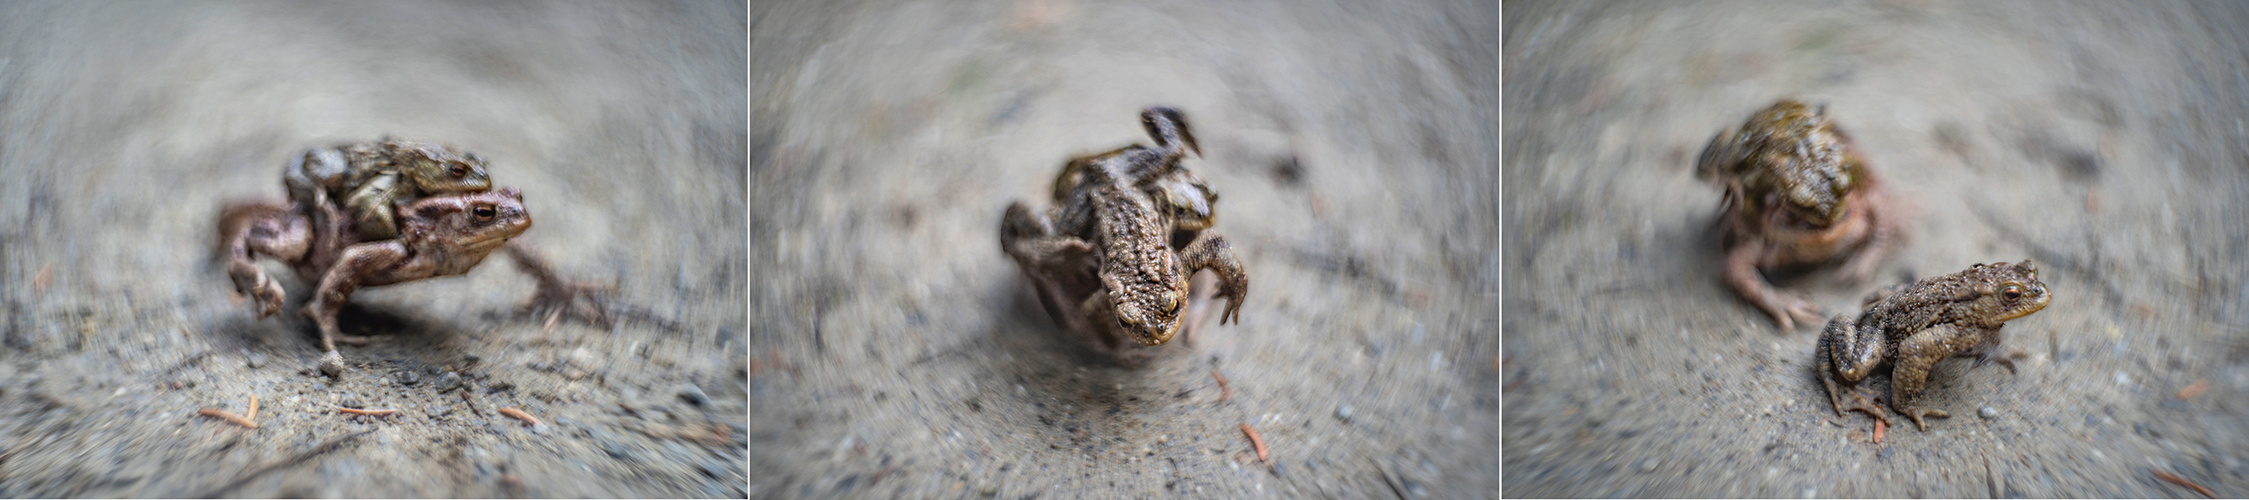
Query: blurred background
column 125, row 126
column 898, row 353
column 2103, row 141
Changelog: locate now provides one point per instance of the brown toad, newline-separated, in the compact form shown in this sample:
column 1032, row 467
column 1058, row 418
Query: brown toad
column 1796, row 193
column 1103, row 259
column 1912, row 326
column 437, row 236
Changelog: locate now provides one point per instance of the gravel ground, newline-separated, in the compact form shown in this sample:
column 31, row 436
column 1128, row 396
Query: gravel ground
column 125, row 126
column 2104, row 141
column 899, row 354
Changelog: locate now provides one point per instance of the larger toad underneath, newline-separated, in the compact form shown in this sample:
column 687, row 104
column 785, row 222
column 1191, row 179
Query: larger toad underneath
column 1910, row 327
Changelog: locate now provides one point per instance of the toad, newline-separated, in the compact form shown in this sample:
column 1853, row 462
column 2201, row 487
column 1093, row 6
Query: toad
column 1909, row 327
column 437, row 236
column 372, row 179
column 1103, row 258
column 1797, row 193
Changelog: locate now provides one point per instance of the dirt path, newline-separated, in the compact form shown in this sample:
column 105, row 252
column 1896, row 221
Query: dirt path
column 124, row 127
column 900, row 355
column 2103, row 141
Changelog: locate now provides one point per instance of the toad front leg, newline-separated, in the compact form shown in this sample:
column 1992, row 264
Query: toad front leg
column 376, row 263
column 1211, row 252
column 557, row 294
column 1742, row 275
column 1916, row 355
column 1850, row 354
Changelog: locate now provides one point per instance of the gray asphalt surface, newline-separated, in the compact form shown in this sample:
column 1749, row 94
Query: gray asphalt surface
column 125, row 126
column 2103, row 141
column 897, row 352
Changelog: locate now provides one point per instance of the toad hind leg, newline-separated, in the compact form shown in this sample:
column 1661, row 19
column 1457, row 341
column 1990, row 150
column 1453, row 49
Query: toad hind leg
column 261, row 229
column 1916, row 355
column 1840, row 346
column 1210, row 251
column 1045, row 257
column 357, row 264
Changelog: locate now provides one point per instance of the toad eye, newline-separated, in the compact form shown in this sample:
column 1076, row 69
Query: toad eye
column 2012, row 291
column 1121, row 323
column 485, row 213
column 460, row 170
column 1174, row 311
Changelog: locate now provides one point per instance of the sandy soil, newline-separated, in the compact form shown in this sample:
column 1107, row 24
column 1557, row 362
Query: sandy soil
column 125, row 126
column 2104, row 141
column 897, row 352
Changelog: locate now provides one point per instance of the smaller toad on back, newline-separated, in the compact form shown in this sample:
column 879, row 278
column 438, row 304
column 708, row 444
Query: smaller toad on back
column 371, row 180
column 1912, row 326
column 1796, row 193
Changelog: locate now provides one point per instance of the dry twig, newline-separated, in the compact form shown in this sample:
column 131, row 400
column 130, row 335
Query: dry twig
column 2183, row 482
column 1255, row 441
column 520, row 415
column 356, row 411
column 39, row 281
column 2195, row 389
column 249, row 422
column 228, row 416
column 471, row 403
column 1223, row 391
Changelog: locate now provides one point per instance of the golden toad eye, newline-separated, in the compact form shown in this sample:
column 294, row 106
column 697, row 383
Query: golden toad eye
column 2012, row 291
column 484, row 213
column 1122, row 324
column 460, row 171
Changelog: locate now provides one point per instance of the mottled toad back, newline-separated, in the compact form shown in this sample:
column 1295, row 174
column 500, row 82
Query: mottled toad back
column 1915, row 325
column 1796, row 193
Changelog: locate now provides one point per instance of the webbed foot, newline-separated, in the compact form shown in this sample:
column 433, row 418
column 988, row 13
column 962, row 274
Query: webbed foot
column 263, row 292
column 584, row 301
column 1860, row 402
column 1917, row 413
column 1788, row 309
column 558, row 296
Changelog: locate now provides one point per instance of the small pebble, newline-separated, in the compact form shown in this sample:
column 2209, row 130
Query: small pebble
column 448, row 382
column 1343, row 413
column 407, row 377
column 693, row 395
column 257, row 361
column 471, row 359
column 1987, row 412
column 1649, row 465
